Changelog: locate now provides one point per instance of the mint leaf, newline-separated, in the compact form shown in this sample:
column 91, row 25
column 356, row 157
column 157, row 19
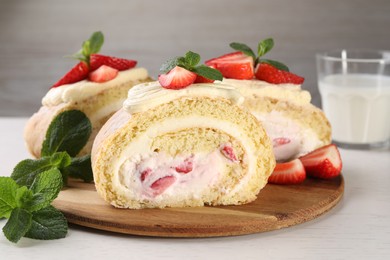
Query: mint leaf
column 169, row 64
column 17, row 225
column 69, row 131
column 265, row 46
column 243, row 48
column 80, row 168
column 276, row 64
column 192, row 59
column 47, row 223
column 96, row 42
column 90, row 46
column 45, row 189
column 208, row 72
column 25, row 171
column 23, row 197
column 8, row 199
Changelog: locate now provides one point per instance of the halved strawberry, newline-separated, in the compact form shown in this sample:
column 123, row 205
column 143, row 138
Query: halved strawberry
column 291, row 172
column 200, row 79
column 77, row 73
column 323, row 163
column 269, row 73
column 97, row 60
column 162, row 184
column 103, row 74
column 234, row 65
column 177, row 78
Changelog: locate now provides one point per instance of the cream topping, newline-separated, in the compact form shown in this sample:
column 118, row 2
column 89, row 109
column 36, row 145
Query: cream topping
column 148, row 95
column 253, row 88
column 301, row 140
column 83, row 89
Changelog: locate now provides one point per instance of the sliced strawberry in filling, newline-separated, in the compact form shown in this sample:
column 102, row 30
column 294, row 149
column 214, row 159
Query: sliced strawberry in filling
column 228, row 152
column 145, row 174
column 280, row 141
column 186, row 166
column 162, row 184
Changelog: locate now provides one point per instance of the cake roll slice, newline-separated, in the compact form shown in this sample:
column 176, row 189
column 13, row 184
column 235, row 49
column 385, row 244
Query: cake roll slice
column 295, row 126
column 178, row 148
column 99, row 101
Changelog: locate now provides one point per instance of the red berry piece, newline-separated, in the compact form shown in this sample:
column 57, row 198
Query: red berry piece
column 177, row 78
column 76, row 74
column 234, row 65
column 291, row 172
column 97, row 60
column 103, row 74
column 270, row 74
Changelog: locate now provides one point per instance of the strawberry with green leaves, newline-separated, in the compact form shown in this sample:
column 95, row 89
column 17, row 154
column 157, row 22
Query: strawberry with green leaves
column 245, row 64
column 181, row 72
column 91, row 61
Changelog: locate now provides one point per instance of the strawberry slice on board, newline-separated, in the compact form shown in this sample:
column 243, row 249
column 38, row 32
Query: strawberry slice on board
column 324, row 163
column 77, row 73
column 235, row 65
column 291, row 172
column 177, row 78
column 97, row 60
column 103, row 74
column 270, row 74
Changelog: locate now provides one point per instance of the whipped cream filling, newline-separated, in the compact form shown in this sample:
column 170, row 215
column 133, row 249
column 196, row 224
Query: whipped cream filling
column 148, row 95
column 254, row 88
column 150, row 175
column 290, row 140
column 141, row 148
column 84, row 89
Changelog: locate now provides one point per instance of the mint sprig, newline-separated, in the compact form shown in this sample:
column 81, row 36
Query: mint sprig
column 26, row 196
column 90, row 46
column 190, row 62
column 26, row 208
column 263, row 47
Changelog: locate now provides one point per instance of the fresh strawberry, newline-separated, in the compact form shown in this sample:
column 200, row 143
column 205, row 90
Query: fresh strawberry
column 77, row 73
column 103, row 74
column 186, row 166
column 291, row 172
column 200, row 79
column 323, row 163
column 269, row 73
column 177, row 78
column 162, row 184
column 228, row 152
column 97, row 60
column 234, row 65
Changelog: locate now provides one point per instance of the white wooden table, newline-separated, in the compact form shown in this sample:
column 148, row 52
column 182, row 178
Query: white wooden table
column 357, row 228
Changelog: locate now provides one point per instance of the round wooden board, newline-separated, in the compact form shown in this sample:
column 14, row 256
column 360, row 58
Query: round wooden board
column 277, row 207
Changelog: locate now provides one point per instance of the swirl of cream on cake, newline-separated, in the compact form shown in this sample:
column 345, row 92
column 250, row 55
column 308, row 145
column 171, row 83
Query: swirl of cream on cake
column 148, row 95
column 71, row 93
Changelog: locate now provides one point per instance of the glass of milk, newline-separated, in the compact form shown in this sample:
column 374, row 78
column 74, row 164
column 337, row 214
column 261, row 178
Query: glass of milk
column 355, row 92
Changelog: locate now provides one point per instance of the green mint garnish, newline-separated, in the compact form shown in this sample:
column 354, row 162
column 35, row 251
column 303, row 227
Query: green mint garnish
column 28, row 209
column 80, row 168
column 263, row 47
column 69, row 132
column 190, row 62
column 25, row 171
column 90, row 46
